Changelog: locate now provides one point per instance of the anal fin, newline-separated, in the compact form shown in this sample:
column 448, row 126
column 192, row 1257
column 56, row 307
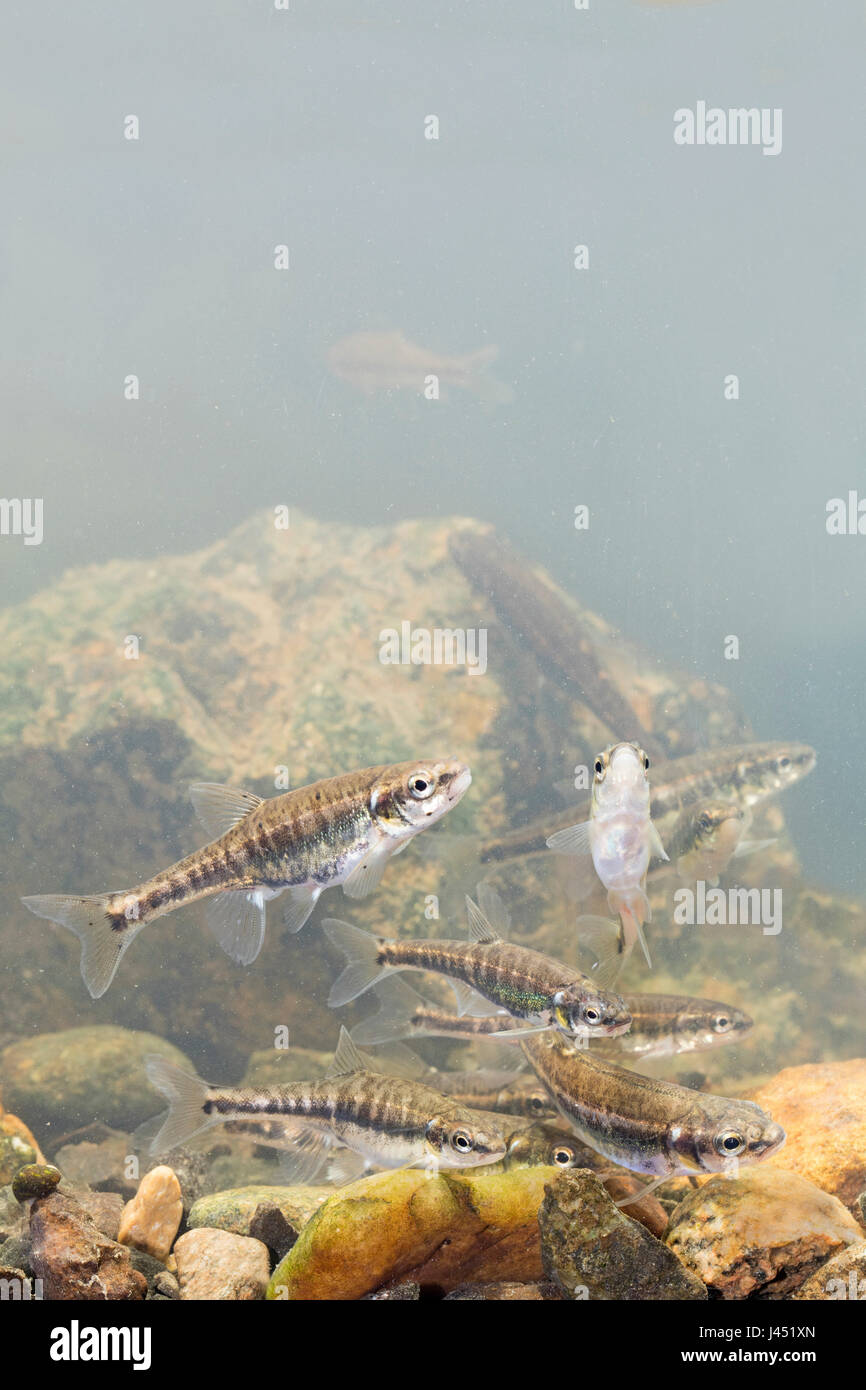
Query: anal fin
column 237, row 920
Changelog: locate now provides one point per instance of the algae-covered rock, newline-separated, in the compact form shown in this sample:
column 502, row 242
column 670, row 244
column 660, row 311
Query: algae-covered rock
column 237, row 1210
column 591, row 1250
column 760, row 1234
column 18, row 1147
column 60, row 1080
column 443, row 1230
column 822, row 1109
column 35, row 1180
column 15, row 1153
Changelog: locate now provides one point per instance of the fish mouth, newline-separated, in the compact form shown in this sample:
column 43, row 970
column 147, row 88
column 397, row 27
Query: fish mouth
column 772, row 1139
column 459, row 784
column 616, row 1027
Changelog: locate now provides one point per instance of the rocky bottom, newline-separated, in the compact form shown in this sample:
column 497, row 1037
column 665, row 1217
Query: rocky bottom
column 96, row 1223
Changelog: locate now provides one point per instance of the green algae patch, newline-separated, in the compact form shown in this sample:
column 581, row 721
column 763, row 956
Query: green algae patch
column 441, row 1230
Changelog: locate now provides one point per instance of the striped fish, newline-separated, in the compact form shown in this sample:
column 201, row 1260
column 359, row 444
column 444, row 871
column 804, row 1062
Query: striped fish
column 385, row 1121
column 529, row 985
column 340, row 831
column 649, row 1126
column 662, row 1025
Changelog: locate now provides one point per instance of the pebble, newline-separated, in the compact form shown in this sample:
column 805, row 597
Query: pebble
column 214, row 1264
column 152, row 1219
column 73, row 1259
column 274, row 1215
column 165, row 1285
column 591, row 1250
column 762, row 1233
column 822, row 1108
column 35, row 1180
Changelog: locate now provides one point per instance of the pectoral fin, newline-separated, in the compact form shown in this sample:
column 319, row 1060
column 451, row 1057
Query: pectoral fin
column 656, row 847
column 574, row 839
column 365, row 877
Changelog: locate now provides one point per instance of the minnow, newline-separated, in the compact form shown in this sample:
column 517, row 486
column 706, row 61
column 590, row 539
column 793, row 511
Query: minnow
column 492, row 1090
column 666, row 1025
column 339, row 831
column 527, row 984
column 705, row 838
column 744, row 775
column 540, row 616
column 662, row 1025
column 621, row 837
column 549, row 1144
column 386, row 1121
column 388, row 361
column 649, row 1126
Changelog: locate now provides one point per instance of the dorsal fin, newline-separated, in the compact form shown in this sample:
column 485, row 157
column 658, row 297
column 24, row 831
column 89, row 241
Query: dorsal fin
column 347, row 1058
column 494, row 910
column 395, row 1059
column 480, row 929
column 220, row 808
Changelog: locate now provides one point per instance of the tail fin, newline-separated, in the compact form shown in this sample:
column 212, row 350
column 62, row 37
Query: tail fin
column 104, row 937
column 186, row 1096
column 397, row 1003
column 634, row 909
column 362, row 966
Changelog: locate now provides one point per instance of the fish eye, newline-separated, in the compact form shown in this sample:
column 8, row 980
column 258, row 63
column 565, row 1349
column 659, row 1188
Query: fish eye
column 422, row 784
column 783, row 762
column 705, row 820
column 537, row 1104
column 730, row 1143
column 721, row 1023
column 599, row 767
column 562, row 1157
column 646, row 762
column 591, row 1014
column 461, row 1141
